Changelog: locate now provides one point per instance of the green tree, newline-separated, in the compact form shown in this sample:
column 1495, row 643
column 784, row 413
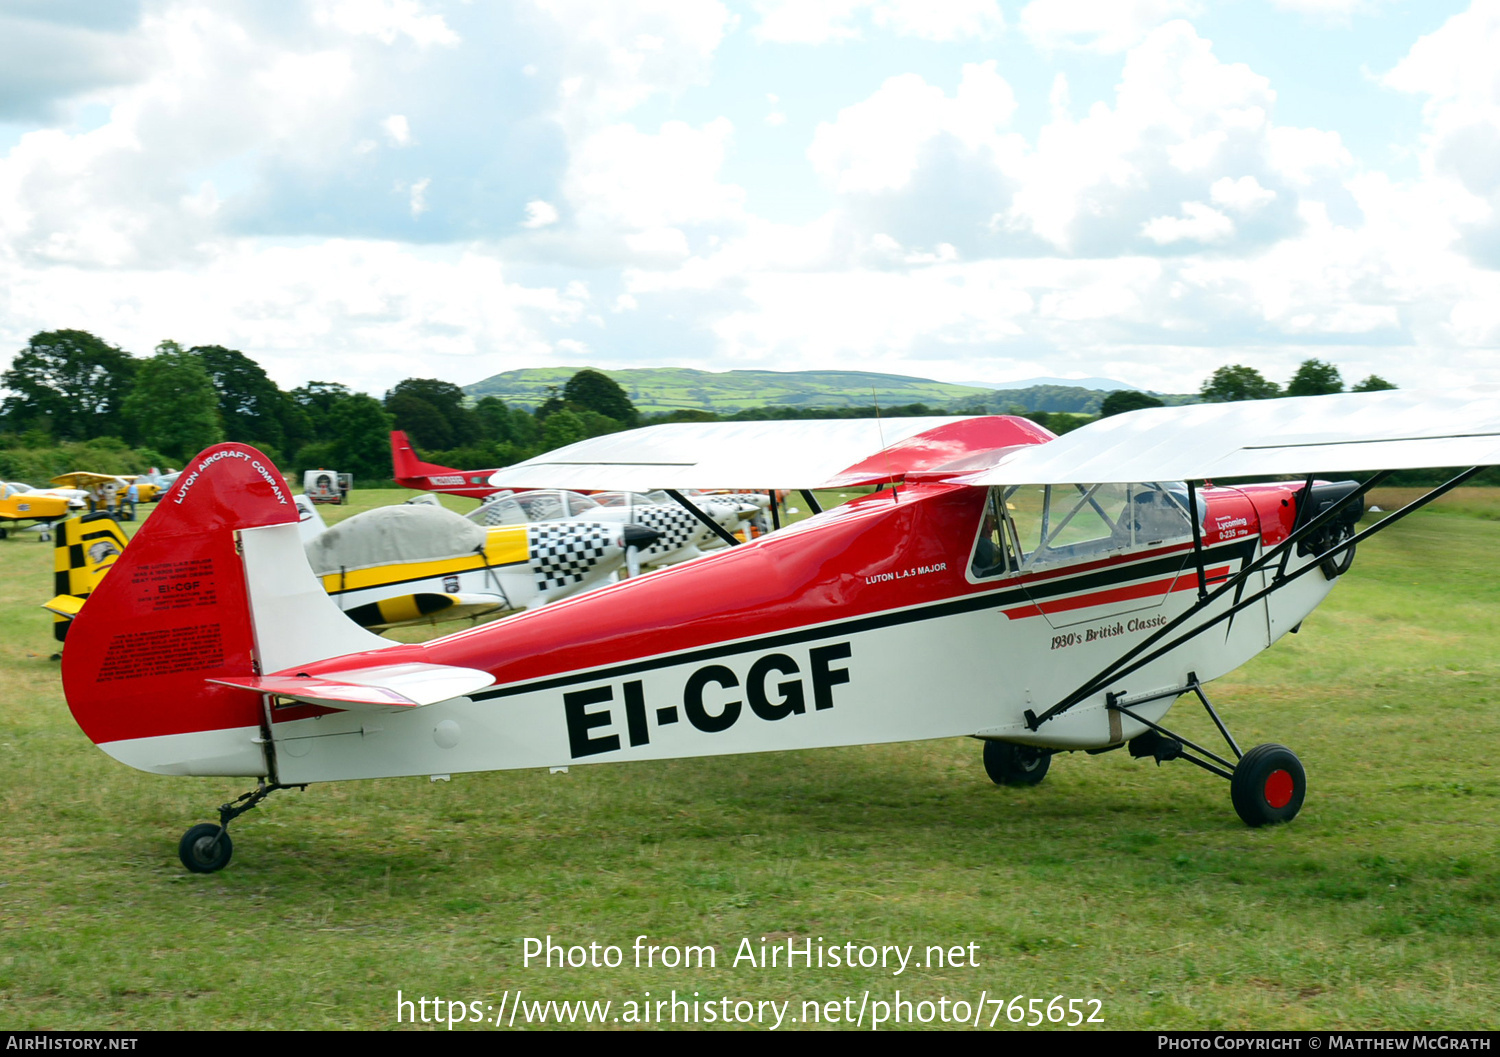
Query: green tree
column 174, row 407
column 317, row 401
column 361, row 443
column 562, row 428
column 1237, row 382
column 251, row 406
column 1123, row 400
column 1372, row 384
column 69, row 383
column 432, row 412
column 596, row 391
column 1315, row 378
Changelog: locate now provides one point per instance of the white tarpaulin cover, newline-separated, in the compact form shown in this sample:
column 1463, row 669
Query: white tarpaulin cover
column 387, row 535
column 783, row 454
column 1342, row 433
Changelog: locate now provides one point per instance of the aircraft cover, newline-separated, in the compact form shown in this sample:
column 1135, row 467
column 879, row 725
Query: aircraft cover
column 1341, row 433
column 781, row 454
column 392, row 534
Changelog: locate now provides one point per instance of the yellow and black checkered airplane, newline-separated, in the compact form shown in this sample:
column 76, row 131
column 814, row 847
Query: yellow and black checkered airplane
column 84, row 549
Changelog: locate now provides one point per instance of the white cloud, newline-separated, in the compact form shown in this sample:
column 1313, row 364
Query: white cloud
column 398, row 129
column 1244, row 195
column 822, row 21
column 875, row 145
column 1198, row 223
column 353, row 310
column 644, row 187
column 539, row 214
column 386, row 20
column 418, row 196
column 1105, row 26
column 614, row 56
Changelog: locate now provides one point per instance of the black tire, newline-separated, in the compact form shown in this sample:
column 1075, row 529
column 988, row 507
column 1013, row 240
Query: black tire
column 1339, row 564
column 198, row 851
column 1268, row 786
column 1010, row 764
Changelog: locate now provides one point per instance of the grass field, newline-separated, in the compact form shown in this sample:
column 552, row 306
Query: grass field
column 1115, row 880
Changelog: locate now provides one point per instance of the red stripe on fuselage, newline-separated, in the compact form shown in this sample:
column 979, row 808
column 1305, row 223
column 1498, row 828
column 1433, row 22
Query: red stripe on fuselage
column 1184, row 581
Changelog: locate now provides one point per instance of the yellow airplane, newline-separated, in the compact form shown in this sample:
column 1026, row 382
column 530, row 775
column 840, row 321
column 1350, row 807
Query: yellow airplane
column 416, row 563
column 18, row 504
column 106, row 491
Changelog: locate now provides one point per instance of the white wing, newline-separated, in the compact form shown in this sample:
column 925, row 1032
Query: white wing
column 1391, row 430
column 787, row 454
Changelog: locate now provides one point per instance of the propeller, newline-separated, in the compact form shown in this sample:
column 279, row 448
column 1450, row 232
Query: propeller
column 637, row 538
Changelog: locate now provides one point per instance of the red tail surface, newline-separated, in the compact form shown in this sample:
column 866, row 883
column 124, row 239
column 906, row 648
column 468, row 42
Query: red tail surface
column 174, row 610
column 406, row 464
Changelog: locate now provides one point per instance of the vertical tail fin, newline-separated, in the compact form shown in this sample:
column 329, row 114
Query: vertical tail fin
column 179, row 608
column 85, row 548
column 406, row 464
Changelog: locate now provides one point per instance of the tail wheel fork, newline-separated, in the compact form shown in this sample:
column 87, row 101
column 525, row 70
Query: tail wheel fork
column 1267, row 784
column 206, row 848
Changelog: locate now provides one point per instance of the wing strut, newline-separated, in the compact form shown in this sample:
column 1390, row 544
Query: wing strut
column 719, row 530
column 1126, row 663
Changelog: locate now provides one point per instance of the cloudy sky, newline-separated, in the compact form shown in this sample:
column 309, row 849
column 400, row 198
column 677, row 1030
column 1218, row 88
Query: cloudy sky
column 366, row 190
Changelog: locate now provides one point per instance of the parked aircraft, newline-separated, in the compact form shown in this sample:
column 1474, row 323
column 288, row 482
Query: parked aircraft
column 1068, row 591
column 19, row 502
column 686, row 530
column 411, row 472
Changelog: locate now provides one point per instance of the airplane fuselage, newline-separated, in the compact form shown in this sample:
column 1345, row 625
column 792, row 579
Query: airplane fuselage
column 865, row 625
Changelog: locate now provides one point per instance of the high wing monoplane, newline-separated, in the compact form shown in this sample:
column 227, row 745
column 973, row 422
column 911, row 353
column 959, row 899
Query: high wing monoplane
column 1069, row 591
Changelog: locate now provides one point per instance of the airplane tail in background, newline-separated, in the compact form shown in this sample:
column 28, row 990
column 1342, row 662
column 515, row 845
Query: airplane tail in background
column 85, row 549
column 407, row 465
column 178, row 609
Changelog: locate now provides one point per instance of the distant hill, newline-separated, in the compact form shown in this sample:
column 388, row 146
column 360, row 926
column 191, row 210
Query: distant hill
column 1103, row 385
column 664, row 389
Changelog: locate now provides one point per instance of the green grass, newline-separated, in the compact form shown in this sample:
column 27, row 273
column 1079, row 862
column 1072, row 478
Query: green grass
column 1379, row 907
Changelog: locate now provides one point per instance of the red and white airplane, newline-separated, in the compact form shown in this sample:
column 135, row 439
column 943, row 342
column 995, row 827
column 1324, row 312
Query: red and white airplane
column 411, row 471
column 1066, row 591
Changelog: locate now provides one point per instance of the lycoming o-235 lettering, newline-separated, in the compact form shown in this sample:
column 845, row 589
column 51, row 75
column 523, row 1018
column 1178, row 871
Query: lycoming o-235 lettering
column 705, row 709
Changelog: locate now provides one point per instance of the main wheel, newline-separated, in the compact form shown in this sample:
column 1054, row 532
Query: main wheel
column 199, row 852
column 1009, row 764
column 1268, row 785
column 1339, row 564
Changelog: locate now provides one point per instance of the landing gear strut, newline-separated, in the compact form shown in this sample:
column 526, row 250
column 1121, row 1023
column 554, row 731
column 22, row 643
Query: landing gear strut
column 206, row 848
column 1266, row 784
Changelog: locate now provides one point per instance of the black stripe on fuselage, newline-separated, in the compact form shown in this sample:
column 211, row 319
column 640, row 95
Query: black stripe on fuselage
column 1012, row 594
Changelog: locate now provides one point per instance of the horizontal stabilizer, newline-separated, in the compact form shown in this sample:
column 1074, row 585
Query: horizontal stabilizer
column 1342, row 433
column 381, row 688
column 64, row 605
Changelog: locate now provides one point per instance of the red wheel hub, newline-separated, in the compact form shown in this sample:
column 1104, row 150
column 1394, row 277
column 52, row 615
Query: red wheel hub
column 1279, row 789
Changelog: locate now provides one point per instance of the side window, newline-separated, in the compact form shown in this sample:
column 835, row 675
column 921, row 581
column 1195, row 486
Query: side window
column 994, row 550
column 1056, row 524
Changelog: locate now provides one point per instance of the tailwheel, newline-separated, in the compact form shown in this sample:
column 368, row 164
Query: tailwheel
column 1268, row 785
column 205, row 848
column 1009, row 764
